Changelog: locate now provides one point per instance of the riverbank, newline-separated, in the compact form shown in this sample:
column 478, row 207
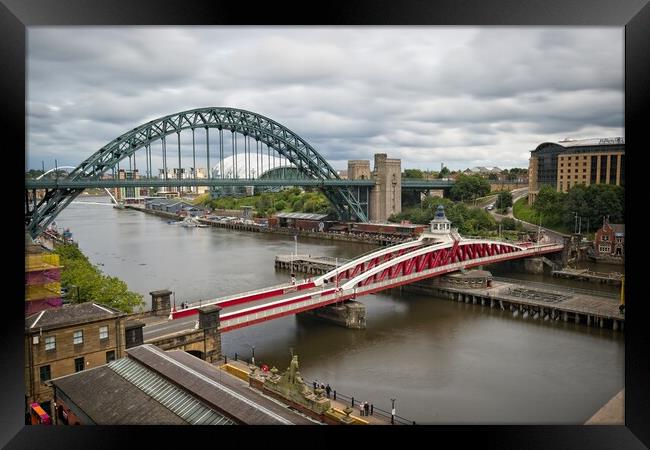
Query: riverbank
column 331, row 236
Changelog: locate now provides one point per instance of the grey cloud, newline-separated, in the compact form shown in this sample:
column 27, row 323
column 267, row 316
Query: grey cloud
column 465, row 96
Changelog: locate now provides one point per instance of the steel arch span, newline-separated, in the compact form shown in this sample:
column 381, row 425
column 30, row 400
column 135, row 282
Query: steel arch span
column 249, row 124
column 376, row 271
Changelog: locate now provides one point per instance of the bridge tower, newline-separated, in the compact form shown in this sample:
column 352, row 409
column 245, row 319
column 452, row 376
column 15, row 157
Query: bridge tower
column 440, row 225
column 386, row 194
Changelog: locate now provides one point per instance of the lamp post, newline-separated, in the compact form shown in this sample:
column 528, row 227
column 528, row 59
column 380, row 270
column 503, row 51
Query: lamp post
column 392, row 412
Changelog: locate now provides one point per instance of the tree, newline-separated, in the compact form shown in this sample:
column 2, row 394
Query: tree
column 91, row 284
column 508, row 223
column 444, row 173
column 504, row 201
column 413, row 173
column 469, row 187
column 549, row 203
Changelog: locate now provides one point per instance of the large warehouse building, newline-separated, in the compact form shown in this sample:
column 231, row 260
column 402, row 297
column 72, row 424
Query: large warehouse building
column 571, row 162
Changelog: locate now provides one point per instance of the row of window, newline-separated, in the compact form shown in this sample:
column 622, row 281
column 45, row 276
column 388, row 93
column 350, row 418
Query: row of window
column 77, row 338
column 569, row 165
column 79, row 365
column 605, row 237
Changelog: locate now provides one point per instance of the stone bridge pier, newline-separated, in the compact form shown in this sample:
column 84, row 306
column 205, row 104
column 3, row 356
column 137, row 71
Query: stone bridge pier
column 203, row 342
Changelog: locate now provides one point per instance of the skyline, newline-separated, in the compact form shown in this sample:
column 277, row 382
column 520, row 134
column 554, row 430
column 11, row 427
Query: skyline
column 462, row 96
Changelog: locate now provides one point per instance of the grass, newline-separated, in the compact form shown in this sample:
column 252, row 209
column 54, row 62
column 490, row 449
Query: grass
column 522, row 211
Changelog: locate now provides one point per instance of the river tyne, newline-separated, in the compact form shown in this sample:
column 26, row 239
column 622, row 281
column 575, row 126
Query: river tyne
column 444, row 362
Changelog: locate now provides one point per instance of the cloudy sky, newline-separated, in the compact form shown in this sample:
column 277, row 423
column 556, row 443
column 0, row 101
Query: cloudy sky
column 463, row 96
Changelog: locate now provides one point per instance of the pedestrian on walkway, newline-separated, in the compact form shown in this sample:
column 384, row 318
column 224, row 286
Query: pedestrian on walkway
column 361, row 409
column 328, row 389
column 315, row 384
column 366, row 408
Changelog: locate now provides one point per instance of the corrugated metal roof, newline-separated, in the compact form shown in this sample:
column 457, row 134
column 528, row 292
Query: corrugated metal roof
column 173, row 398
column 306, row 216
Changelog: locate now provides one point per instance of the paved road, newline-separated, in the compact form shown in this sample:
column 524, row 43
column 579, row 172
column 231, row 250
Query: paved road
column 516, row 195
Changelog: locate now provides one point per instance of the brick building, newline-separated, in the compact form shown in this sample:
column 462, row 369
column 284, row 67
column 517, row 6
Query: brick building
column 570, row 162
column 70, row 339
column 610, row 240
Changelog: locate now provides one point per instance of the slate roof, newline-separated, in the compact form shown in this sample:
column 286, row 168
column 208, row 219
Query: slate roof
column 70, row 315
column 109, row 399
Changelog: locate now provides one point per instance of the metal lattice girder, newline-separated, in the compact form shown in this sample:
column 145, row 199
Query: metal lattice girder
column 262, row 129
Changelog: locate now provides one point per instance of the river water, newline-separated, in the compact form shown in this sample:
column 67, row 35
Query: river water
column 444, row 362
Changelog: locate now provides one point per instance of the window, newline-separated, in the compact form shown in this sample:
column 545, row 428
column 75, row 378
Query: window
column 78, row 337
column 619, row 238
column 103, row 332
column 605, row 237
column 604, row 248
column 50, row 343
column 46, row 374
column 110, row 356
column 79, row 364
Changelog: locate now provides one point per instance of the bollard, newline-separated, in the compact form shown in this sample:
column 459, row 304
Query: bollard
column 334, row 395
column 371, row 408
column 353, row 402
column 235, row 356
column 225, row 359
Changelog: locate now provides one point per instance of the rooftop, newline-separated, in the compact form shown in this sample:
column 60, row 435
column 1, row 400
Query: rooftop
column 69, row 315
column 206, row 382
column 109, row 399
column 304, row 216
column 596, row 141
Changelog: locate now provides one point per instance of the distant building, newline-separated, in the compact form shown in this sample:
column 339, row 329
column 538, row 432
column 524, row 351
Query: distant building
column 481, row 170
column 610, row 240
column 186, row 174
column 302, row 221
column 70, row 339
column 128, row 194
column 571, row 162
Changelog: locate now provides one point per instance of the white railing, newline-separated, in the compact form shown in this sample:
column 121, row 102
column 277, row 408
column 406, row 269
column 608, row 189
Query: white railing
column 234, row 296
column 350, row 288
column 367, row 257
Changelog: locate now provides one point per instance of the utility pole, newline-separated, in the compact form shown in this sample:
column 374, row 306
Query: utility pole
column 575, row 226
column 580, row 225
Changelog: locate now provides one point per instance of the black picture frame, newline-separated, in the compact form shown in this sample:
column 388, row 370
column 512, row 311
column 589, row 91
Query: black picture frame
column 634, row 15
